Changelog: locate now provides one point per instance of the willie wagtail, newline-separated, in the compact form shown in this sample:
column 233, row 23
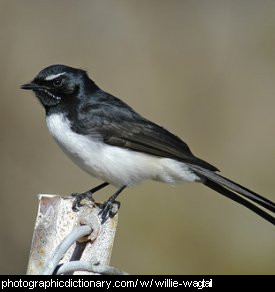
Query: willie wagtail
column 109, row 140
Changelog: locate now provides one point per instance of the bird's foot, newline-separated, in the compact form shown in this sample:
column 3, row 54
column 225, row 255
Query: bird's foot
column 78, row 199
column 108, row 209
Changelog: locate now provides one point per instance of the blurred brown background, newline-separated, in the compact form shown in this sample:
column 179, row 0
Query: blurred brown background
column 203, row 69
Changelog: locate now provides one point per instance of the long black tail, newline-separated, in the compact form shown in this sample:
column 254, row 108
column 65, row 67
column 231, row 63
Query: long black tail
column 235, row 192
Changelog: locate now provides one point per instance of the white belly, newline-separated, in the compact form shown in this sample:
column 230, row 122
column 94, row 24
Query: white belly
column 112, row 164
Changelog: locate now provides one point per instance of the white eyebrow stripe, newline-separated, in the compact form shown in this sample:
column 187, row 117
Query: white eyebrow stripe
column 53, row 76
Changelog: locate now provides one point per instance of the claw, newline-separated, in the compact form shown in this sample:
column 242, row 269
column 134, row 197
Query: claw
column 78, row 198
column 108, row 210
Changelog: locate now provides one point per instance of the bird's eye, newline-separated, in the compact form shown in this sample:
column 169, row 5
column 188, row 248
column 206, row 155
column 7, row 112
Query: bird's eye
column 57, row 82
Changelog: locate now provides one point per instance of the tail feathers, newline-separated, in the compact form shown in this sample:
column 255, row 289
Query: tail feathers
column 264, row 202
column 229, row 194
column 233, row 191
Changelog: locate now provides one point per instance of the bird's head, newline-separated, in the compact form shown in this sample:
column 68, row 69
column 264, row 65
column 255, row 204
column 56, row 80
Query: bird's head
column 59, row 84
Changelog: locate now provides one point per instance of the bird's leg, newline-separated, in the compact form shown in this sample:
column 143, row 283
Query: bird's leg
column 89, row 195
column 110, row 207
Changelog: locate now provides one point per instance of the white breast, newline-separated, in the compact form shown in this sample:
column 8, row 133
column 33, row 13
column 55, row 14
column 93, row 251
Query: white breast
column 112, row 164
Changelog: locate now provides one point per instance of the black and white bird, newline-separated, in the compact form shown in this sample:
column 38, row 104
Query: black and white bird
column 105, row 137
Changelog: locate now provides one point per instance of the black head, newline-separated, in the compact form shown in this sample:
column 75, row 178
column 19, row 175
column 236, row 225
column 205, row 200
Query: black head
column 59, row 84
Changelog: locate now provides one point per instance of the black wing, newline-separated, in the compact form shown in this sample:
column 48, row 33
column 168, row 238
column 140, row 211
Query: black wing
column 119, row 125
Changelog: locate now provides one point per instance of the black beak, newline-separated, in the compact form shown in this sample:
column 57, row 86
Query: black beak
column 30, row 86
